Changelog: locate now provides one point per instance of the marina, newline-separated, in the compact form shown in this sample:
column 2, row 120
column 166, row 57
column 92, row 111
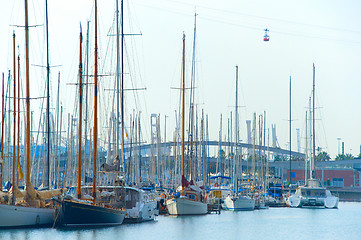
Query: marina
column 341, row 223
column 103, row 154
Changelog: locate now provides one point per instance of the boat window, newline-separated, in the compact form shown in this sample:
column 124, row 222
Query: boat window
column 131, row 198
column 191, row 197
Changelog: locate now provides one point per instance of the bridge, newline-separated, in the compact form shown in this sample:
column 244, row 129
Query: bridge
column 165, row 145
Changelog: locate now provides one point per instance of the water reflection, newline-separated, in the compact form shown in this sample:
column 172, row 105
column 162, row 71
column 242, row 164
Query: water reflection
column 342, row 223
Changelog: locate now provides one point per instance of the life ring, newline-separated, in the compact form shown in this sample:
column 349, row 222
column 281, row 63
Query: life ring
column 216, row 185
column 162, row 196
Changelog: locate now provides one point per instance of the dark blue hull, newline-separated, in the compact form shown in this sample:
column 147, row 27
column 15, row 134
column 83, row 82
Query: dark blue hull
column 76, row 214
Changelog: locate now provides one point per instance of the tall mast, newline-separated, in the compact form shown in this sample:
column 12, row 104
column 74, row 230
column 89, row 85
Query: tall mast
column 2, row 132
column 117, row 80
column 313, row 173
column 306, row 149
column 122, row 81
column 27, row 139
column 86, row 93
column 191, row 147
column 58, row 138
column 193, row 76
column 237, row 132
column 290, row 134
column 18, row 144
column 183, row 103
column 14, row 114
column 95, row 137
column 140, row 152
column 203, row 155
column 80, row 111
column 47, row 175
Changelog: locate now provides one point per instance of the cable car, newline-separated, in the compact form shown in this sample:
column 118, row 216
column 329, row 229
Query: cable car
column 266, row 36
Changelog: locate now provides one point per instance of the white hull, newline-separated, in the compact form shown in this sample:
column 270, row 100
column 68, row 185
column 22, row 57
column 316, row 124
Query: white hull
column 142, row 212
column 17, row 216
column 331, row 201
column 184, row 206
column 238, row 203
column 314, row 202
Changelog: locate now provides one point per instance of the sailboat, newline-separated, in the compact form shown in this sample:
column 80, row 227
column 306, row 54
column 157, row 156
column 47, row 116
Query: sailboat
column 235, row 201
column 26, row 209
column 76, row 212
column 140, row 205
column 313, row 193
column 188, row 199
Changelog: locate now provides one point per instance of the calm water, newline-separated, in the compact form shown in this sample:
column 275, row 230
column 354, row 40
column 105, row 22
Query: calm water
column 274, row 223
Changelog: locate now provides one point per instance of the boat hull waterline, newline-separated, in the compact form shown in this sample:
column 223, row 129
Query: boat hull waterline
column 238, row 204
column 75, row 214
column 19, row 217
column 184, row 206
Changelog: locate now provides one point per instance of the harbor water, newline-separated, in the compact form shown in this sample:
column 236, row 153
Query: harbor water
column 272, row 223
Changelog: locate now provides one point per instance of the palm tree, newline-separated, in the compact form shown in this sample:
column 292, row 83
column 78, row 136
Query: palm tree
column 323, row 156
column 340, row 157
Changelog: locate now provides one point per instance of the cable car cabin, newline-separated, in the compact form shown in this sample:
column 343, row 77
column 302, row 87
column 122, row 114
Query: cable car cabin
column 266, row 36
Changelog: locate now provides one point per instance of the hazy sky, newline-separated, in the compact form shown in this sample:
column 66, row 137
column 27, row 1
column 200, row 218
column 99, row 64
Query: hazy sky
column 324, row 32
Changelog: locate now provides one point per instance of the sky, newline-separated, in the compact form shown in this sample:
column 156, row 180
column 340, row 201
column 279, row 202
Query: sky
column 326, row 33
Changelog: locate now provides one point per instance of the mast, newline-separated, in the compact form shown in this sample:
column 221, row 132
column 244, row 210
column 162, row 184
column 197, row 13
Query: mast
column 310, row 133
column 122, row 81
column 193, row 76
column 313, row 173
column 183, row 104
column 95, row 137
column 47, row 175
column 140, row 151
column 191, row 147
column 80, row 111
column 306, row 150
column 237, row 132
column 86, row 96
column 203, row 155
column 14, row 120
column 264, row 163
column 18, row 144
column 2, row 133
column 27, row 96
column 117, row 80
column 290, row 135
column 58, row 138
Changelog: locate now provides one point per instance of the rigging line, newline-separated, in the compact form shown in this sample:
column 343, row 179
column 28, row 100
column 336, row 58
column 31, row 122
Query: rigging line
column 165, row 10
column 322, row 122
column 282, row 32
column 250, row 27
column 130, row 15
column 267, row 18
column 133, row 78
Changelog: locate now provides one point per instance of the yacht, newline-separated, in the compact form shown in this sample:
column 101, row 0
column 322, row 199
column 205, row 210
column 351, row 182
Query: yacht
column 140, row 205
column 188, row 200
column 314, row 195
column 238, row 203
